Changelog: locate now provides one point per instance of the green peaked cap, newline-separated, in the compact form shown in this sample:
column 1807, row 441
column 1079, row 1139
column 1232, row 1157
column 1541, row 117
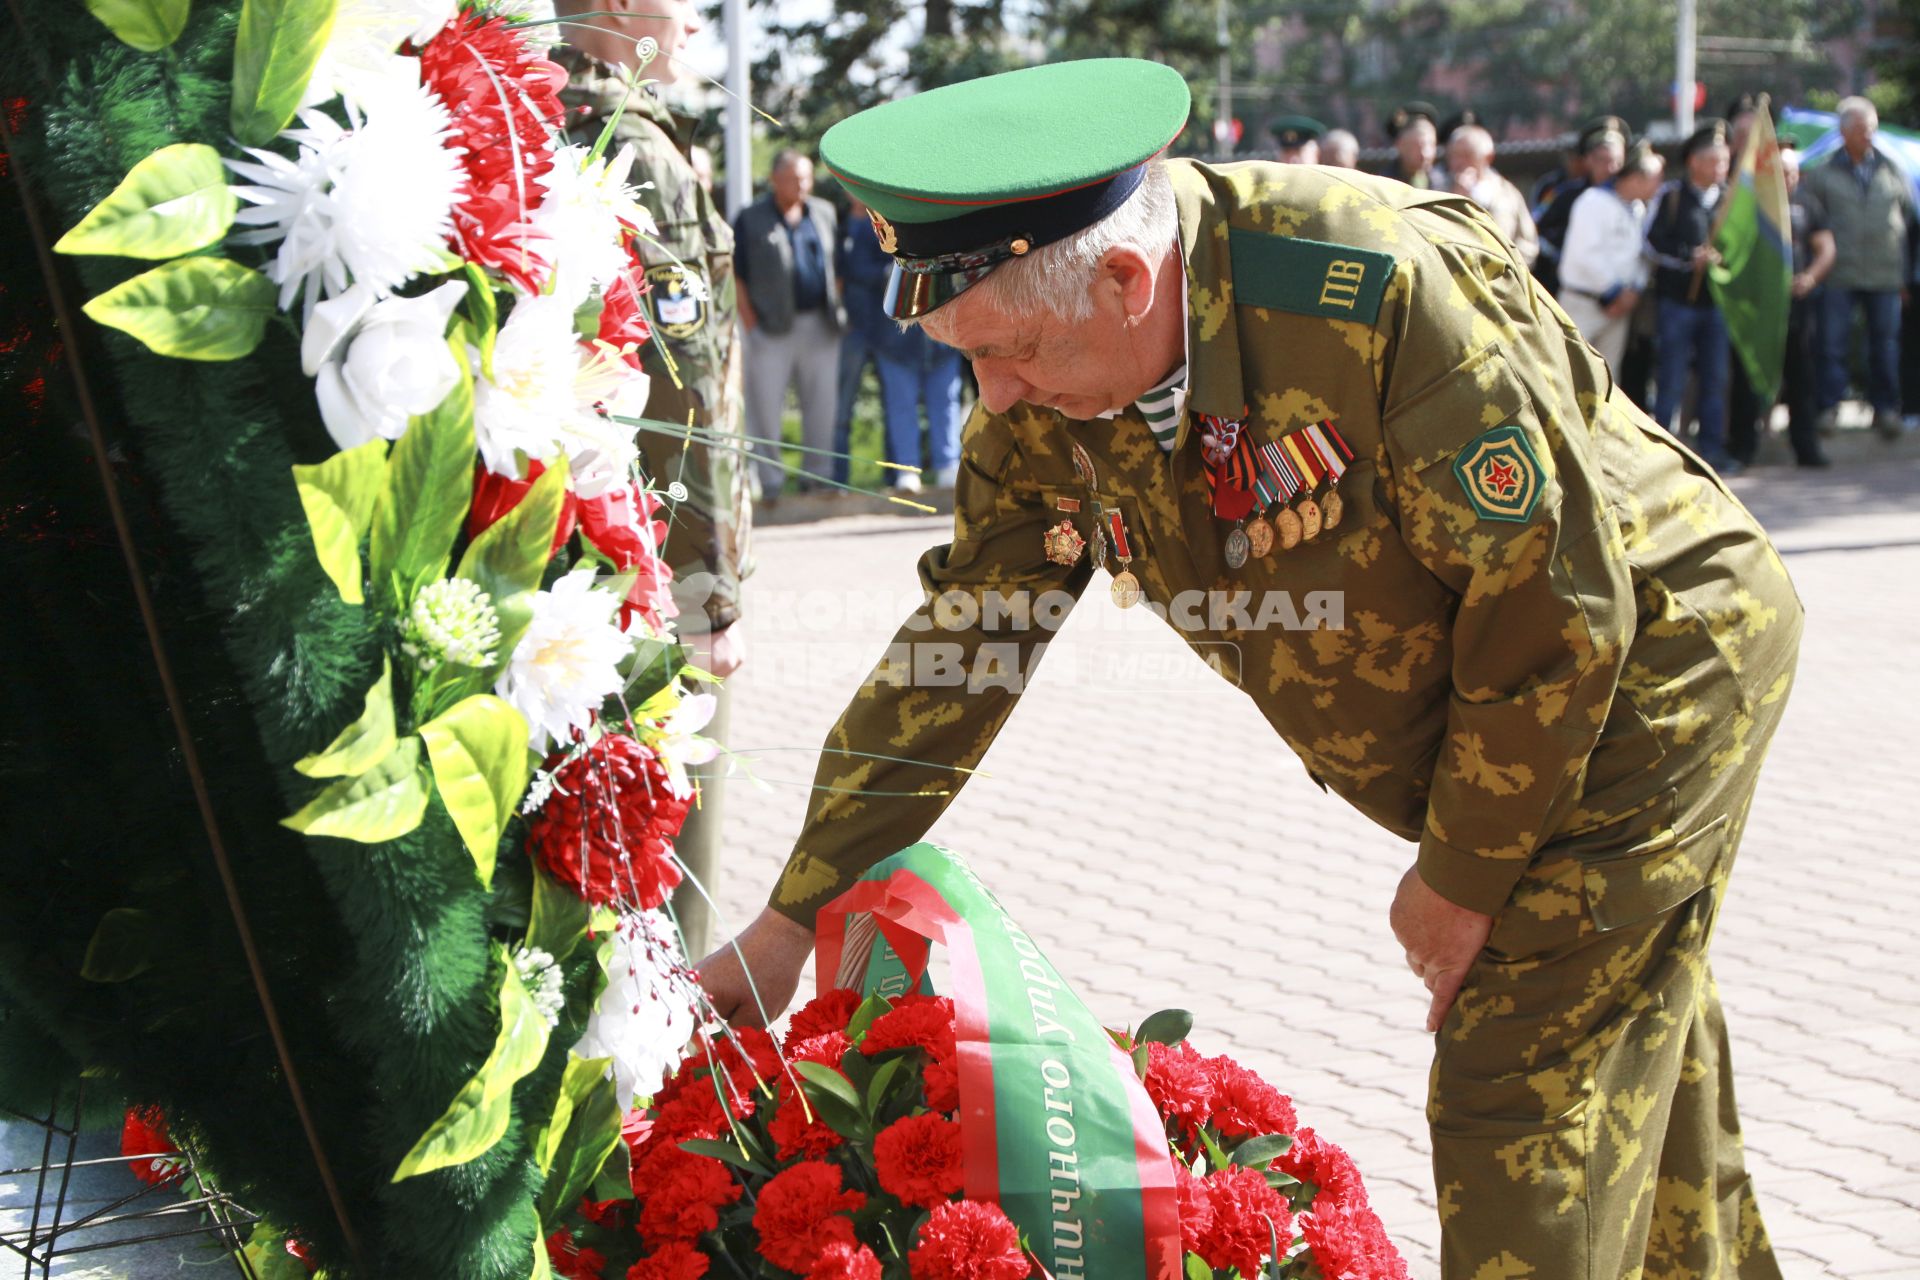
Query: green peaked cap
column 960, row 178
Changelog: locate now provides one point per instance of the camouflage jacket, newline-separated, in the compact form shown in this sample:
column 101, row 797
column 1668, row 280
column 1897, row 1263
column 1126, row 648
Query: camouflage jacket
column 1556, row 623
column 693, row 359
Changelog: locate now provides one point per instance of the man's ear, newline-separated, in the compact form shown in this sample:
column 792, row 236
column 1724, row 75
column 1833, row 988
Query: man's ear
column 1130, row 274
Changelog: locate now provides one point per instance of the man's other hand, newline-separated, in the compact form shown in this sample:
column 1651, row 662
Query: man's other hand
column 1442, row 940
column 774, row 949
column 726, row 650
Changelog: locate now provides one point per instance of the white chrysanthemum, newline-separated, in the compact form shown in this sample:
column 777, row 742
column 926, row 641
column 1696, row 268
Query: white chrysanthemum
column 530, row 398
column 586, row 211
column 544, row 982
column 601, row 451
column 452, row 620
column 568, row 661
column 370, row 204
column 359, row 61
column 647, row 1013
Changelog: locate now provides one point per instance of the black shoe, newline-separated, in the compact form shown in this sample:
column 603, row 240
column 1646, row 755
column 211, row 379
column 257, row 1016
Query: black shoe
column 1814, row 461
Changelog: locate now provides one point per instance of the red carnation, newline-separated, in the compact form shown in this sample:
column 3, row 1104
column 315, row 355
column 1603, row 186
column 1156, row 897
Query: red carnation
column 1248, row 1216
column 495, row 495
column 571, row 1261
column 607, row 830
column 801, row 1211
column 612, row 1215
column 797, row 1129
column 680, row 1194
column 968, row 1240
column 1244, row 1104
column 677, row 1260
column 144, row 1134
column 748, row 1057
column 1349, row 1243
column 830, row 1011
column 829, row 1048
column 942, row 1080
column 1328, row 1171
column 504, row 97
column 843, row 1261
column 914, row 1022
column 918, row 1160
column 1196, row 1209
column 1179, row 1084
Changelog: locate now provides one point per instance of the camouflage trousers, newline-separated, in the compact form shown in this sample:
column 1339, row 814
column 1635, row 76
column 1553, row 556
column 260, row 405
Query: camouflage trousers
column 1581, row 1097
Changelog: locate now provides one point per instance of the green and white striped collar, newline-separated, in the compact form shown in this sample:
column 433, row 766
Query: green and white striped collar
column 1164, row 405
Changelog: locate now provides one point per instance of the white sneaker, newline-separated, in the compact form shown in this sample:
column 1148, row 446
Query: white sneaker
column 906, row 482
column 945, row 476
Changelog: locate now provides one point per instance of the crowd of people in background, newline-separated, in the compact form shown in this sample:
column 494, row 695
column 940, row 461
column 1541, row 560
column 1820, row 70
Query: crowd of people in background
column 1623, row 246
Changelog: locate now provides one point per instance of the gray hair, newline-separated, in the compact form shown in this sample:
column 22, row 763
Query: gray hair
column 1057, row 279
column 1474, row 140
column 1858, row 109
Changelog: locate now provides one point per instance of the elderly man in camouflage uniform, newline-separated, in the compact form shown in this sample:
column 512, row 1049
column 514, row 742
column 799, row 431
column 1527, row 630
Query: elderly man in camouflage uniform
column 693, row 361
column 1564, row 649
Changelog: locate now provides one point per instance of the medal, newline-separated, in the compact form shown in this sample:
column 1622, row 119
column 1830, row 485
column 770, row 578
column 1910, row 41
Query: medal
column 1286, row 523
column 1064, row 544
column 1334, row 455
column 1238, row 545
column 1332, row 507
column 1260, row 537
column 1126, row 588
column 1310, row 523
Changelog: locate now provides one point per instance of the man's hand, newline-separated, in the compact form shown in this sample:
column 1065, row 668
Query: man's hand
column 726, row 650
column 774, row 949
column 1705, row 255
column 1802, row 284
column 1441, row 938
column 1624, row 302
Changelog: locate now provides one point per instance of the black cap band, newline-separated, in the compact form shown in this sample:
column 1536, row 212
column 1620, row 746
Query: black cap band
column 1003, row 226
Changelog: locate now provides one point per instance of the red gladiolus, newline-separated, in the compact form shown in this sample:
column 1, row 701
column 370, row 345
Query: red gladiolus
column 802, row 1210
column 144, row 1134
column 968, row 1240
column 495, row 495
column 607, row 831
column 918, row 1160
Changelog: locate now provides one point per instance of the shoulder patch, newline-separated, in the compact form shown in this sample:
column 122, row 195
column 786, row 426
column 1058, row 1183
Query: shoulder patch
column 1308, row 277
column 1500, row 474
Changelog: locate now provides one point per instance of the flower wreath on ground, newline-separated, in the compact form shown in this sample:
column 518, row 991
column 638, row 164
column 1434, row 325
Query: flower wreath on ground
column 465, row 286
column 837, row 1155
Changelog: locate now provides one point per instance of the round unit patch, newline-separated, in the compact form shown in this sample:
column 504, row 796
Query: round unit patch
column 1501, row 475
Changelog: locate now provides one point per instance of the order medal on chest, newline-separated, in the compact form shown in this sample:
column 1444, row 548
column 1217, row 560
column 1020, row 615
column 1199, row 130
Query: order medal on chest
column 1274, row 494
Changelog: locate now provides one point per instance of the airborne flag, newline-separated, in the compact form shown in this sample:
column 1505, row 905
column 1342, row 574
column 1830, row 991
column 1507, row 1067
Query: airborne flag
column 1753, row 281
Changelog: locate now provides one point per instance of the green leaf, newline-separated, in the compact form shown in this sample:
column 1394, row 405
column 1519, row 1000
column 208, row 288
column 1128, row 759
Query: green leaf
column 273, row 58
column 191, row 308
column 1139, row 1059
column 1197, row 1269
column 573, row 1157
column 1216, row 1158
column 1169, row 1026
column 338, row 497
column 175, row 201
column 559, row 918
column 147, row 25
column 509, row 558
column 428, row 484
column 124, row 945
column 542, row 1265
column 365, row 742
column 1280, row 1181
column 825, row 1079
column 479, row 755
column 1257, row 1153
column 725, row 1151
column 834, row 1098
column 266, row 1252
column 381, row 804
column 863, row 1017
column 478, row 1115
column 485, row 311
column 883, row 1081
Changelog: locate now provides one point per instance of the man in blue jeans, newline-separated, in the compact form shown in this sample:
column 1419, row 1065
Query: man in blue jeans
column 1692, row 332
column 1868, row 201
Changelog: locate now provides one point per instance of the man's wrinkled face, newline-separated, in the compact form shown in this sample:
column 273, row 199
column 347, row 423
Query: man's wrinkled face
column 1857, row 131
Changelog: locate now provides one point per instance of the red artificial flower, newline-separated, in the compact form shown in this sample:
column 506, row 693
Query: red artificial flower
column 677, row 1260
column 610, row 1215
column 1196, row 1209
column 1179, row 1084
column 680, row 1194
column 914, row 1022
column 571, row 1261
column 918, row 1160
column 1328, row 1171
column 495, row 495
column 831, row 1010
column 1348, row 1242
column 1244, row 1104
column 620, row 523
column 606, row 832
column 504, row 97
column 843, row 1261
column 623, row 320
column 1248, row 1217
column 144, row 1134
column 968, row 1240
column 802, row 1210
column 299, row 1250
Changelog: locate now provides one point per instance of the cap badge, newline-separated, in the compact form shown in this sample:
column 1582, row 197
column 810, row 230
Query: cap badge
column 889, row 242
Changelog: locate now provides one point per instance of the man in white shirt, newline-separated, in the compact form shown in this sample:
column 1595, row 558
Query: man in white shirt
column 1603, row 266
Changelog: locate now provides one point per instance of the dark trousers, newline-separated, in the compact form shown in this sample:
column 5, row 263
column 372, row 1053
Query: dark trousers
column 1883, row 345
column 1744, row 411
column 1693, row 339
column 857, row 351
column 1800, row 378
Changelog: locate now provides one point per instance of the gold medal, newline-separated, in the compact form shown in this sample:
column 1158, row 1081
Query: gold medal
column 1333, row 507
column 1238, row 545
column 1287, row 525
column 1260, row 537
column 1309, row 519
column 1064, row 544
column 1125, row 589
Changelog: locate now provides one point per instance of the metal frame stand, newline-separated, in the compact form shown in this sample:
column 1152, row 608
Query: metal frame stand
column 210, row 1212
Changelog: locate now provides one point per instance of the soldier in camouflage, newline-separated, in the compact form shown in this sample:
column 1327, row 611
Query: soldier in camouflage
column 693, row 361
column 1564, row 644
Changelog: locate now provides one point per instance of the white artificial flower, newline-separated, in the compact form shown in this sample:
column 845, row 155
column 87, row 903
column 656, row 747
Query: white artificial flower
column 378, row 361
column 454, row 621
column 568, row 660
column 601, row 451
column 586, row 212
column 530, row 397
column 369, row 203
column 359, row 60
column 675, row 739
column 544, row 982
column 647, row 1013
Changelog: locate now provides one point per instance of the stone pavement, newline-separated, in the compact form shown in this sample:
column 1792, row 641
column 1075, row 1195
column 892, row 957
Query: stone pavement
column 1143, row 823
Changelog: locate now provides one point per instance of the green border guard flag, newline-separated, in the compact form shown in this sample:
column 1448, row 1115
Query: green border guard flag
column 1753, row 281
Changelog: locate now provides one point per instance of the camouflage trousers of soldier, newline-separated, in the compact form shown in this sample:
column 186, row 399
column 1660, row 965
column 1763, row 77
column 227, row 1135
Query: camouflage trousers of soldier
column 1581, row 1097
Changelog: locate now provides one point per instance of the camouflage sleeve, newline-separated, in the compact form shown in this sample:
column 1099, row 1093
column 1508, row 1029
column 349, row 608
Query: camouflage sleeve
column 947, row 683
column 1500, row 501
